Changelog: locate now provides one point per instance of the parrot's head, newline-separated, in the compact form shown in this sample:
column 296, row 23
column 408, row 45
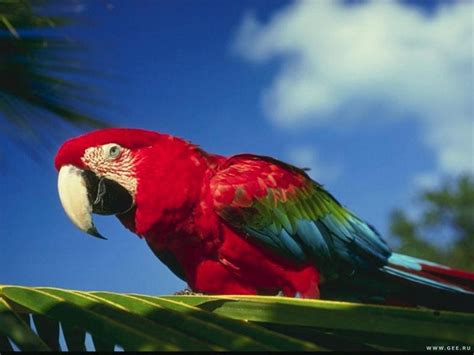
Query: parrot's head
column 98, row 173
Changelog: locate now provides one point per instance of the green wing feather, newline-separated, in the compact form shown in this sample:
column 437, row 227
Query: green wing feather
column 281, row 208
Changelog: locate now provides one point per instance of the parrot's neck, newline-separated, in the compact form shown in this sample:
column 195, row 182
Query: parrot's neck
column 170, row 185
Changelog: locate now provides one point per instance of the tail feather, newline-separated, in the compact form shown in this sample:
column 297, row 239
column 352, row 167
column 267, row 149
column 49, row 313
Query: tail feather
column 407, row 281
column 426, row 280
column 447, row 276
column 433, row 285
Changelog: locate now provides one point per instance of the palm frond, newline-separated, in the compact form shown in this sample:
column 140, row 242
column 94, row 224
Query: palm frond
column 41, row 74
column 38, row 318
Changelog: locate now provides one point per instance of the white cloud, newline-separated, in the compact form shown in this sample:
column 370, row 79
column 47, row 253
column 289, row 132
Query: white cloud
column 305, row 156
column 339, row 61
column 426, row 181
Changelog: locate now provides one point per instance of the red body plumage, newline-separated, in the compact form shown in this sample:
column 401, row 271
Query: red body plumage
column 176, row 214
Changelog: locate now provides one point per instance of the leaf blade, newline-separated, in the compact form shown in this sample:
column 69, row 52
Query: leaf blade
column 71, row 313
column 281, row 341
column 157, row 332
column 48, row 330
column 75, row 338
column 12, row 326
column 450, row 326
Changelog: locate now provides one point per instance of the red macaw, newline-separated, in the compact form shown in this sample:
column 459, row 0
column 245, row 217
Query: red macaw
column 246, row 224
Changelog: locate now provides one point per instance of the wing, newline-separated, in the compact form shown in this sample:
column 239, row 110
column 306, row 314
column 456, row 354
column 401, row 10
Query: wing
column 280, row 207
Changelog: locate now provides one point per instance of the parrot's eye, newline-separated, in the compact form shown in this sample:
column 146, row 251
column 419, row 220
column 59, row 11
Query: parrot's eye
column 113, row 150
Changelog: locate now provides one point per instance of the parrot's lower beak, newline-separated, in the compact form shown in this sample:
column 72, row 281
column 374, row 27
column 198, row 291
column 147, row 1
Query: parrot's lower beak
column 82, row 193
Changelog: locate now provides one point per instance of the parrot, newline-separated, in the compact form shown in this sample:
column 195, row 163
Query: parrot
column 243, row 225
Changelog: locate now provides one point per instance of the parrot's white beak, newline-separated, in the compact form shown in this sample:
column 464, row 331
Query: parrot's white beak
column 74, row 196
column 82, row 193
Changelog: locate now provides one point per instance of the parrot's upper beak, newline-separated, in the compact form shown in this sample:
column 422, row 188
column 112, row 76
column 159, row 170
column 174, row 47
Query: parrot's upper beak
column 82, row 193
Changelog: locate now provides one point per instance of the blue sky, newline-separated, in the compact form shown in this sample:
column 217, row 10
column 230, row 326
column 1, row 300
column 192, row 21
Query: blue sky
column 376, row 98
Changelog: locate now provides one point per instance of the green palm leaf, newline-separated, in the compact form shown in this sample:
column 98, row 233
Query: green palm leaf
column 216, row 323
column 40, row 74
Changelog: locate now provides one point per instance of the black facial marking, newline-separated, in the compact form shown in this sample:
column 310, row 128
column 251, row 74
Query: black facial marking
column 92, row 184
column 112, row 198
column 106, row 196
